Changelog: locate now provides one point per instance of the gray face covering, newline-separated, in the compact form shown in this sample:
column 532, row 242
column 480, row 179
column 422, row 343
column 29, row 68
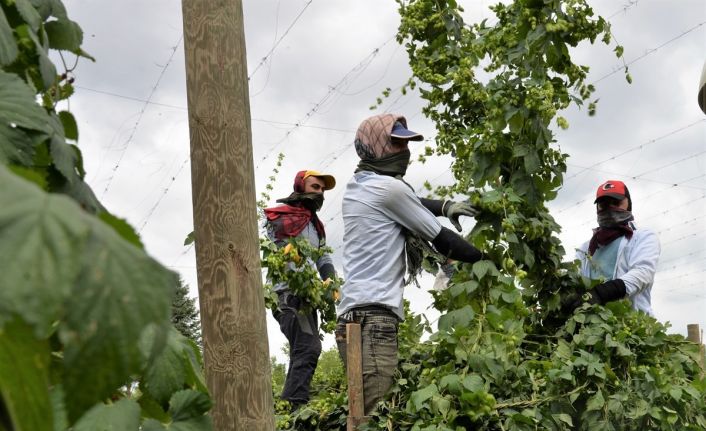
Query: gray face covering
column 613, row 216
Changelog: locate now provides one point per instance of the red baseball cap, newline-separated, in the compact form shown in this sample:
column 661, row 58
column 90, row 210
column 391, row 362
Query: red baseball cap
column 612, row 189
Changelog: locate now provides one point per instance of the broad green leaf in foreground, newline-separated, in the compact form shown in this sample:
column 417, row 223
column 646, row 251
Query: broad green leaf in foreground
column 8, row 47
column 61, row 264
column 47, row 70
column 123, row 415
column 24, row 377
column 15, row 146
column 120, row 225
column 188, row 413
column 188, row 404
column 28, row 13
column 202, row 423
column 39, row 253
column 64, row 158
column 82, row 193
column 17, row 105
column 175, row 368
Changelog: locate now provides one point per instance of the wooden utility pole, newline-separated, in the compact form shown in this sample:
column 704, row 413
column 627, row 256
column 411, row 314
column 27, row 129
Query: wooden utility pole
column 236, row 351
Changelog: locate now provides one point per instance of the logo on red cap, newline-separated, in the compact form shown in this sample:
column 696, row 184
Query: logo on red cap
column 613, row 189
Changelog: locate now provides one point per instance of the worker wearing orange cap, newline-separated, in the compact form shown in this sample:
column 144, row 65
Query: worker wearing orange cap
column 297, row 217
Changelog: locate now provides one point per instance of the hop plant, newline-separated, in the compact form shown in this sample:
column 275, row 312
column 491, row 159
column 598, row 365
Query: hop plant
column 294, row 264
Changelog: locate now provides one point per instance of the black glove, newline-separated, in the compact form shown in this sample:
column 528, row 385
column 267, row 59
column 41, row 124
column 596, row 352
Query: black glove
column 454, row 210
column 327, row 271
column 601, row 294
column 609, row 291
column 451, row 245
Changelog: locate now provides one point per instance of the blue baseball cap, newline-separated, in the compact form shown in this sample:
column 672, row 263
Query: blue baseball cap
column 399, row 131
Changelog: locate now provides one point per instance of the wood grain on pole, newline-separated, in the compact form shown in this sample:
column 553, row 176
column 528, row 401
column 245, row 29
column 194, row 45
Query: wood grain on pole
column 354, row 371
column 225, row 219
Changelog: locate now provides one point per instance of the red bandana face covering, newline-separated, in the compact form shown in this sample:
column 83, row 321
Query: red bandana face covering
column 289, row 221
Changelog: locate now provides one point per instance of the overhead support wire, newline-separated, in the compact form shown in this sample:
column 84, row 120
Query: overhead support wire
column 623, row 9
column 637, row 147
column 184, row 108
column 358, row 68
column 135, row 99
column 649, row 52
column 269, row 53
column 638, row 177
column 693, row 253
column 161, row 197
column 139, row 118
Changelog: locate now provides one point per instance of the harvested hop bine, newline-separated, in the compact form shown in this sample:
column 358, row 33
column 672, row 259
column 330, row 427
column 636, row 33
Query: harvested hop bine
column 294, row 265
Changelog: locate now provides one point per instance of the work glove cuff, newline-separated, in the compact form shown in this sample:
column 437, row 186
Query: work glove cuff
column 453, row 210
column 611, row 290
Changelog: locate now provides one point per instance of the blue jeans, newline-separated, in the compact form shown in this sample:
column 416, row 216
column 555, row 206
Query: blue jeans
column 302, row 332
column 378, row 330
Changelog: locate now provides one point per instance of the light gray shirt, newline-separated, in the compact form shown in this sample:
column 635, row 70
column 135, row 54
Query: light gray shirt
column 376, row 208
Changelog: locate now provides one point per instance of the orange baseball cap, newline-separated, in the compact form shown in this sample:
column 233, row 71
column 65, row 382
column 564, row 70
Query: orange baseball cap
column 329, row 180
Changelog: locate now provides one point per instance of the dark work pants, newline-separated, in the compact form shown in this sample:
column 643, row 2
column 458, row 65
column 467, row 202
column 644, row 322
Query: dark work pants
column 302, row 332
column 378, row 327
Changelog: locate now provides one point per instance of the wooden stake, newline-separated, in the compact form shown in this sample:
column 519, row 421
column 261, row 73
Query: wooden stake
column 225, row 220
column 354, row 371
column 694, row 335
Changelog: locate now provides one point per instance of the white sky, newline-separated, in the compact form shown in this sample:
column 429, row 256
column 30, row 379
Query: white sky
column 328, row 69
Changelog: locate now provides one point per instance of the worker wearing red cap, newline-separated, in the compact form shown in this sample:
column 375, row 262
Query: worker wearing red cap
column 297, row 217
column 625, row 257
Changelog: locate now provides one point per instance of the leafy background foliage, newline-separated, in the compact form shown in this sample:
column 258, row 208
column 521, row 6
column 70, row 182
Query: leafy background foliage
column 506, row 354
column 294, row 265
column 86, row 340
column 328, row 406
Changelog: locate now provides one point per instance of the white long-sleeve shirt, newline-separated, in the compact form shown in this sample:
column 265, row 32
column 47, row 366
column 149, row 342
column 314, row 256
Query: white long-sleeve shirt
column 636, row 264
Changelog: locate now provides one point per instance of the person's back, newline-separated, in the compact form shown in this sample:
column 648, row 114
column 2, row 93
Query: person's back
column 387, row 231
column 376, row 210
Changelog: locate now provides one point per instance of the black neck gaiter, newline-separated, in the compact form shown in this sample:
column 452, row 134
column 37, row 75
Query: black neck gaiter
column 311, row 201
column 392, row 165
